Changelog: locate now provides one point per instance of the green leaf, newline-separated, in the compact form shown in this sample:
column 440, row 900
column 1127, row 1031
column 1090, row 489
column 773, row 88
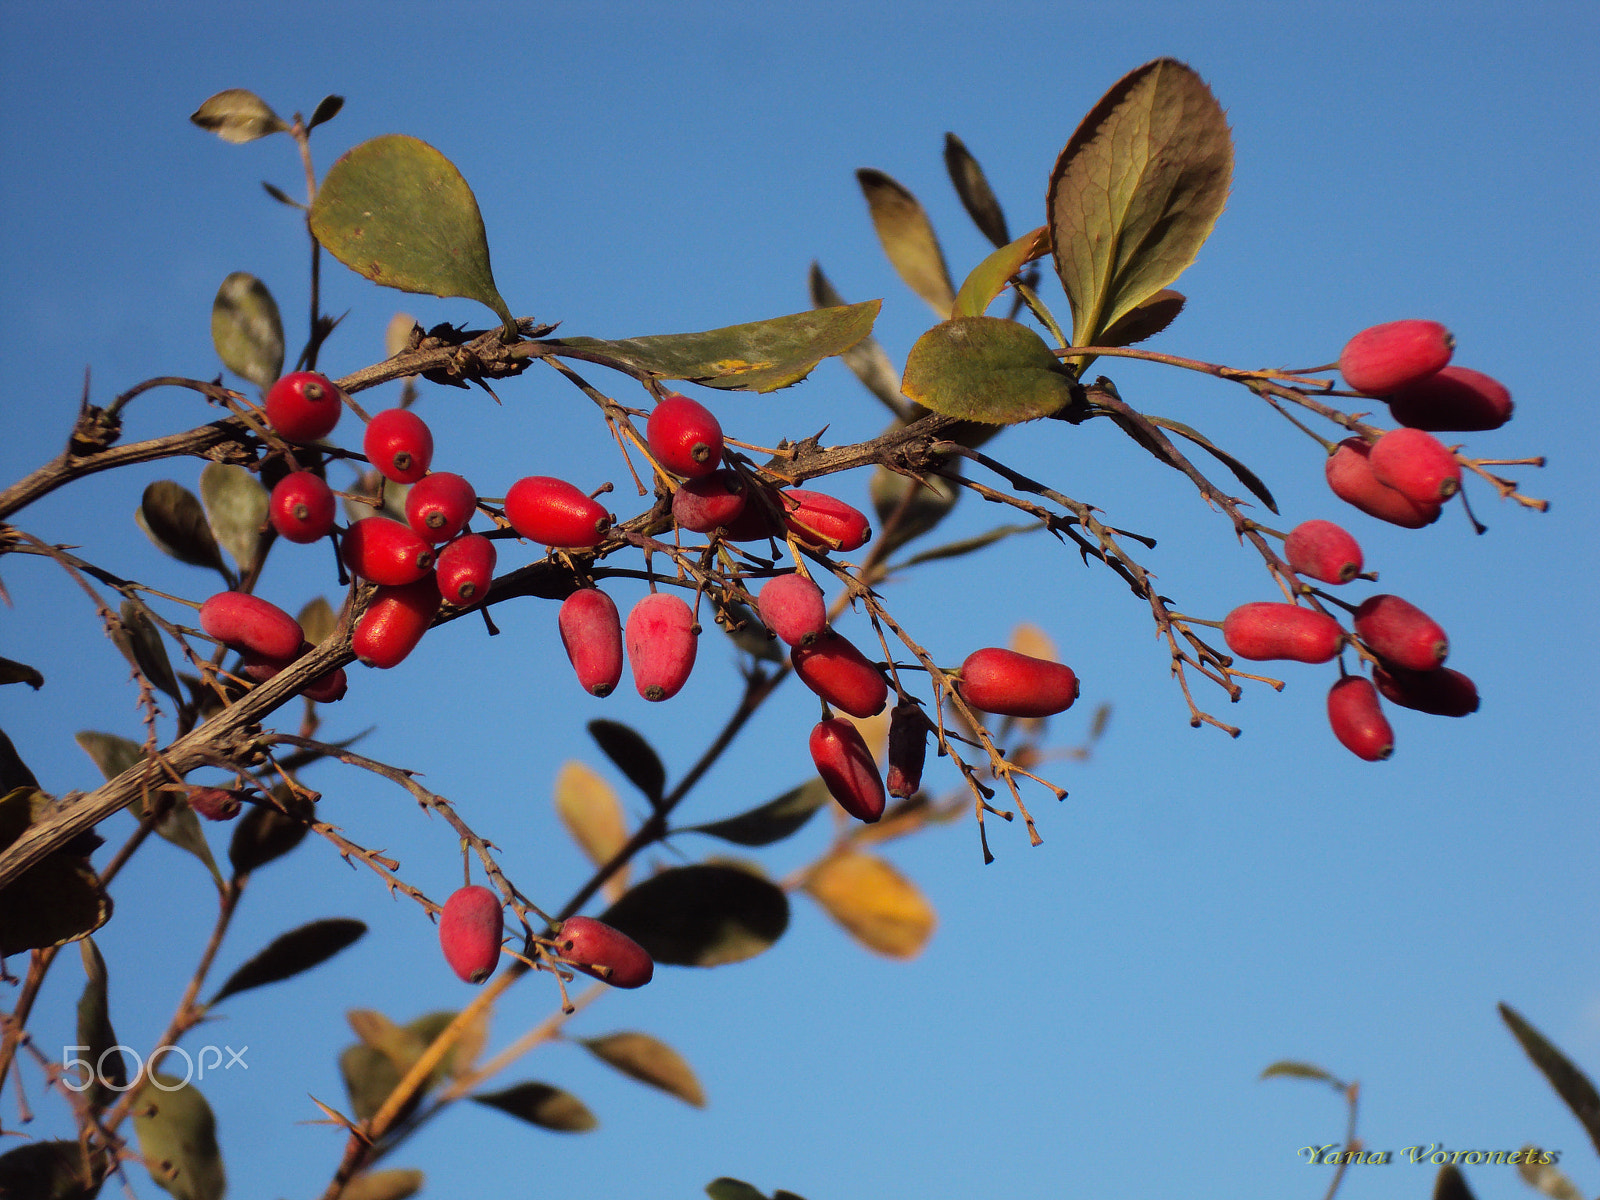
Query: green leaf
column 264, row 833
column 178, row 1138
column 634, row 757
column 973, row 188
column 237, row 115
column 114, row 755
column 726, row 1188
column 56, row 900
column 772, row 821
column 1145, row 321
column 288, row 955
column 174, row 520
column 1571, row 1084
column 247, row 330
column 15, row 672
column 398, row 212
column 761, row 356
column 986, row 369
column 702, row 916
column 140, row 643
column 866, row 359
column 1136, row 192
column 542, row 1105
column 95, row 1033
column 369, row 1076
column 1289, row 1068
column 908, row 239
column 650, row 1061
column 384, row 1185
column 46, row 1171
column 1243, row 473
column 317, row 619
column 236, row 508
column 989, row 278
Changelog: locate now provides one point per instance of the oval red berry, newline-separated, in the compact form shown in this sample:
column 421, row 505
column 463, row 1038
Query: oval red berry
column 591, row 631
column 249, row 623
column 1357, row 719
column 386, row 552
column 597, row 949
column 554, row 513
column 399, row 444
column 439, row 505
column 845, row 764
column 1269, row 630
column 1399, row 632
column 304, row 406
column 1349, row 474
column 1457, row 399
column 1009, row 684
column 394, row 622
column 1385, row 358
column 821, row 521
column 1417, row 465
column 793, row 607
column 661, row 640
column 470, row 928
column 701, row 505
column 302, row 508
column 1443, row 692
column 1324, row 551
column 835, row 670
column 684, row 436
column 465, row 568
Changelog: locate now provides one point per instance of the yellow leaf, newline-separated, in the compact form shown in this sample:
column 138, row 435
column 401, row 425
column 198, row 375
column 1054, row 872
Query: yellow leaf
column 877, row 905
column 1031, row 640
column 593, row 816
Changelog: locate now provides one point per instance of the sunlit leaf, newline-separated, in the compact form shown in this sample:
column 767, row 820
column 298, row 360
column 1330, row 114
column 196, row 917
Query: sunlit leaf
column 592, row 814
column 15, row 672
column 866, row 359
column 650, row 1061
column 634, row 757
column 877, row 905
column 702, row 916
column 178, row 1139
column 1136, row 191
column 1546, row 1177
column 989, row 278
column 237, row 115
column 291, row 953
column 760, row 356
column 175, row 521
column 1572, row 1085
column 397, row 334
column 141, row 644
column 1145, row 321
column 95, row 1035
column 46, row 1171
column 236, row 507
column 908, row 239
column 247, row 330
column 398, row 212
column 772, row 821
column 542, row 1105
column 384, row 1185
column 986, row 369
column 1289, row 1068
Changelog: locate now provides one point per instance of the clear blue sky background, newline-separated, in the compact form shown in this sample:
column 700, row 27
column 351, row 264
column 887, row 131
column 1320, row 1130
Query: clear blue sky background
column 1091, row 1016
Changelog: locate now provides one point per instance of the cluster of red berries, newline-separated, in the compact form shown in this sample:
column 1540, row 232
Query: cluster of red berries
column 470, row 934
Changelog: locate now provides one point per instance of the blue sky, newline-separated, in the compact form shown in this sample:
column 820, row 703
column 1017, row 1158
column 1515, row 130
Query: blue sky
column 1092, row 1014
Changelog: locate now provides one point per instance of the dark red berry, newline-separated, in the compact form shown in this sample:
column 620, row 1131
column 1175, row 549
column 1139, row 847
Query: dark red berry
column 386, row 552
column 465, row 568
column 835, row 670
column 1417, row 465
column 304, row 406
column 438, row 506
column 1442, row 692
column 1388, row 357
column 394, row 622
column 399, row 444
column 701, row 505
column 793, row 607
column 661, row 640
column 245, row 622
column 554, row 513
column 595, row 948
column 1350, row 476
column 1457, row 399
column 302, row 508
column 1016, row 685
column 845, row 764
column 470, row 928
column 1324, row 551
column 1357, row 719
column 821, row 521
column 1399, row 632
column 591, row 631
column 684, row 436
column 324, row 689
column 908, row 748
column 1270, row 630
column 215, row 804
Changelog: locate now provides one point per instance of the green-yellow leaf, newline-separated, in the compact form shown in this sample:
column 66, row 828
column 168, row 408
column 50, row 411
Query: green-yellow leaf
column 317, row 619
column 247, row 330
column 1545, row 1177
column 593, row 816
column 1136, row 192
column 877, row 905
column 908, row 239
column 1146, row 320
column 1291, row 1069
column 702, row 916
column 542, row 1105
column 384, row 1185
column 986, row 369
column 760, row 356
column 236, row 508
column 650, row 1061
column 237, row 115
column 989, row 278
column 866, row 359
column 178, row 1139
column 398, row 212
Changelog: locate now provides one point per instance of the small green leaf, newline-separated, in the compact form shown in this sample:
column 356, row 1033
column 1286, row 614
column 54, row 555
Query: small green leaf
column 650, row 1061
column 702, row 916
column 264, row 833
column 237, row 115
column 542, row 1105
column 95, row 1033
column 634, row 757
column 1571, row 1084
column 726, row 1188
column 1288, row 1068
column 46, row 1171
column 247, row 330
column 178, row 1139
column 174, row 520
column 1243, row 473
column 986, row 369
column 327, row 109
column 369, row 1076
column 989, row 278
column 141, row 644
column 288, row 955
column 398, row 212
column 772, row 821
column 236, row 508
column 908, row 239
column 760, row 356
column 1136, row 192
column 1145, row 321
column 866, row 359
column 112, row 754
column 384, row 1185
column 15, row 672
column 973, row 188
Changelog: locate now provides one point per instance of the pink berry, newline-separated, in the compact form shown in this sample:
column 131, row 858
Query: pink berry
column 439, row 505
column 835, row 670
column 1399, row 632
column 661, row 640
column 215, row 804
column 1270, row 630
column 302, row 507
column 386, row 552
column 554, row 513
column 845, row 764
column 1350, row 476
column 304, row 406
column 394, row 622
column 792, row 607
column 1457, row 399
column 595, row 948
column 1388, row 357
column 591, row 631
column 684, row 436
column 470, row 928
column 1009, row 684
column 249, row 623
column 465, row 568
column 1417, row 465
column 1324, row 551
column 399, row 444
column 1357, row 719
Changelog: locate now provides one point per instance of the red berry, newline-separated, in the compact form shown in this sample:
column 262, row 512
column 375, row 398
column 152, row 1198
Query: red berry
column 215, row 804
column 1357, row 719
column 470, row 927
column 908, row 748
column 793, row 608
column 1442, row 692
column 821, row 521
column 304, row 406
column 1399, row 632
column 1350, row 476
column 1323, row 551
column 701, row 505
column 1457, row 399
column 399, row 444
column 661, row 641
column 324, row 689
column 245, row 622
column 438, row 506
column 302, row 507
column 1417, row 465
column 591, row 630
column 386, row 552
column 1267, row 630
column 684, row 436
column 835, row 670
column 465, row 568
column 394, row 622
column 1387, row 357
column 846, row 766
column 595, row 948
column 1016, row 685
column 554, row 513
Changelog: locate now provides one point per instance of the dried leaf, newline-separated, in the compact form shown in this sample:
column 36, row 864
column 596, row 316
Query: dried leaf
column 237, row 115
column 986, row 369
column 878, row 906
column 247, row 329
column 702, row 916
column 178, row 1139
column 772, row 821
column 866, row 359
column 1572, row 1085
column 989, row 278
column 1136, row 191
column 384, row 1185
column 650, row 1061
column 973, row 187
column 633, row 756
column 291, row 953
column 542, row 1105
column 398, row 332
column 592, row 814
column 1545, row 1177
column 908, row 239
